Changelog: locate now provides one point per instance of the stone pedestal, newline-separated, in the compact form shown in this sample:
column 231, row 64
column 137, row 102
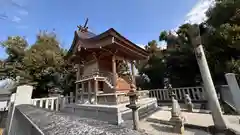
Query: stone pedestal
column 178, row 125
column 190, row 107
column 177, row 120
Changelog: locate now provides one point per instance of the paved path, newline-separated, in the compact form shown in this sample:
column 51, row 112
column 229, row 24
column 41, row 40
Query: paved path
column 155, row 128
column 152, row 123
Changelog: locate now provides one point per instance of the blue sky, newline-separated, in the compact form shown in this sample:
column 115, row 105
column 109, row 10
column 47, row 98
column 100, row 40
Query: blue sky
column 138, row 20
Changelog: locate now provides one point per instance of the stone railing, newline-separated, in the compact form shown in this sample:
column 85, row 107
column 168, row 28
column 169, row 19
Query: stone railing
column 51, row 103
column 107, row 75
column 195, row 93
column 119, row 98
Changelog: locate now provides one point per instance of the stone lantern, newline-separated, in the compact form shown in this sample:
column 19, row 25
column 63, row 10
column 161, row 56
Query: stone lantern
column 133, row 96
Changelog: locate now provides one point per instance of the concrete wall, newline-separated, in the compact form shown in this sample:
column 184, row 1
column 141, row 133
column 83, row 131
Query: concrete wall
column 111, row 113
column 22, row 125
column 226, row 95
column 31, row 120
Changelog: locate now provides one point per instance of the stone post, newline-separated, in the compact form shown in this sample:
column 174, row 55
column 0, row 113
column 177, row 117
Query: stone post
column 23, row 96
column 219, row 122
column 133, row 95
column 234, row 88
column 62, row 102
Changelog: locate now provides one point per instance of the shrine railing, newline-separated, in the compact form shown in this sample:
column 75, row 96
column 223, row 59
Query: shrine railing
column 96, row 73
column 195, row 93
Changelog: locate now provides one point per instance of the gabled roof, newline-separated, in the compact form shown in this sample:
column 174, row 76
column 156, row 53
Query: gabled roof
column 88, row 39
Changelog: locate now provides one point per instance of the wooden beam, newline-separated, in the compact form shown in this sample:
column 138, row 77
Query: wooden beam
column 105, row 42
column 139, row 54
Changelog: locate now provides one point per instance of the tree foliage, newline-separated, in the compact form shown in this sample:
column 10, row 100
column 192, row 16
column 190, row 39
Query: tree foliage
column 43, row 63
column 221, row 40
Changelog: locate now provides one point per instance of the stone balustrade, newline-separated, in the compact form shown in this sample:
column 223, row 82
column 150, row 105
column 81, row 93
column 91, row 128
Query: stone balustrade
column 119, row 98
column 48, row 103
column 195, row 93
column 96, row 73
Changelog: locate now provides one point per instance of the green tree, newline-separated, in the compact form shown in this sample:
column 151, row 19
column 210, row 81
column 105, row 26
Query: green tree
column 153, row 68
column 222, row 39
column 13, row 66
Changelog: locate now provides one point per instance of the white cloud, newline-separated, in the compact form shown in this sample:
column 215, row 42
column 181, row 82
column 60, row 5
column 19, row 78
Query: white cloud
column 141, row 45
column 16, row 19
column 23, row 12
column 197, row 13
column 162, row 44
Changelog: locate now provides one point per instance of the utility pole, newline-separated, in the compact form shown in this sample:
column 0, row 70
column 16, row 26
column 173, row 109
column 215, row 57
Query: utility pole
column 195, row 37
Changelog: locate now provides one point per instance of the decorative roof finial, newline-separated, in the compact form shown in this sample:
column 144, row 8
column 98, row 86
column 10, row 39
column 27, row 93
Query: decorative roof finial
column 83, row 28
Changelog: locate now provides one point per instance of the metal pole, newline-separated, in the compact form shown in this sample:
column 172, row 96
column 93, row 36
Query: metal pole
column 218, row 119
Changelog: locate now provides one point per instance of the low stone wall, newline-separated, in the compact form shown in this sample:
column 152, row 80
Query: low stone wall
column 114, row 114
column 31, row 120
column 22, row 125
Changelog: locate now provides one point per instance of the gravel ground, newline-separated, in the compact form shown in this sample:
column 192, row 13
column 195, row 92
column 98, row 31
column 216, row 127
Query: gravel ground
column 56, row 123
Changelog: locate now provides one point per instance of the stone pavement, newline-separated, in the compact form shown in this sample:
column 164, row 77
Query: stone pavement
column 155, row 123
column 155, row 128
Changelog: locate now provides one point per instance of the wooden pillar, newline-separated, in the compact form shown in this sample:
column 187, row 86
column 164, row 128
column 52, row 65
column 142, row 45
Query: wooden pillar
column 89, row 91
column 77, row 84
column 95, row 90
column 76, row 92
column 82, row 92
column 114, row 70
column 133, row 73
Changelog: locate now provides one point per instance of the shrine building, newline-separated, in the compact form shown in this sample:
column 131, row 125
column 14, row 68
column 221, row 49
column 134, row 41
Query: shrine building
column 96, row 58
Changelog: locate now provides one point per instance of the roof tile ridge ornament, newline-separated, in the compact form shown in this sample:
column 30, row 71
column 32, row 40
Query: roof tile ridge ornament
column 83, row 28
